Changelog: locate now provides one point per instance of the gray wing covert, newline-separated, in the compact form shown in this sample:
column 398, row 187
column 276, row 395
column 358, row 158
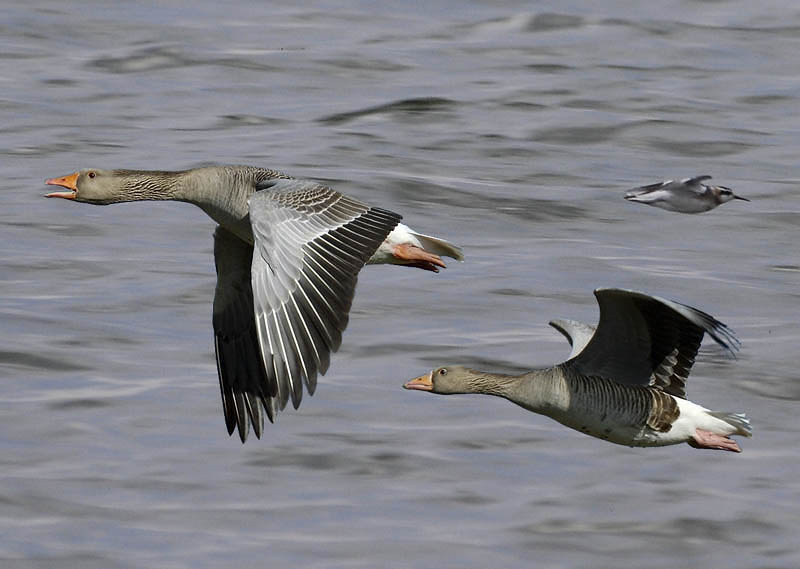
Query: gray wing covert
column 310, row 244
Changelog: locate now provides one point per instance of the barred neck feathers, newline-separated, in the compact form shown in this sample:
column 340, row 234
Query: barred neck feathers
column 140, row 185
column 492, row 383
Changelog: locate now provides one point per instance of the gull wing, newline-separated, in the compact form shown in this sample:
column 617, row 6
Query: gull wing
column 643, row 190
column 696, row 183
column 647, row 340
column 661, row 190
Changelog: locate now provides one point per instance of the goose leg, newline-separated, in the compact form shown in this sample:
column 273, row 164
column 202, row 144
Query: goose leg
column 413, row 256
column 707, row 439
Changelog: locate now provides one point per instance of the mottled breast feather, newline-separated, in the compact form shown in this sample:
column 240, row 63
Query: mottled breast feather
column 664, row 411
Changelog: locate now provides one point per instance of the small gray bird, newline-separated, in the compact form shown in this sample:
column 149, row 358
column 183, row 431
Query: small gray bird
column 690, row 195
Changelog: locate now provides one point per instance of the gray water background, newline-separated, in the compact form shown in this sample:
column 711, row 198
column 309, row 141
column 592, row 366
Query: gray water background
column 510, row 128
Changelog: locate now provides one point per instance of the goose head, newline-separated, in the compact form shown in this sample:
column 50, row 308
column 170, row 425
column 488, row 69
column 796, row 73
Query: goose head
column 447, row 380
column 103, row 187
column 89, row 185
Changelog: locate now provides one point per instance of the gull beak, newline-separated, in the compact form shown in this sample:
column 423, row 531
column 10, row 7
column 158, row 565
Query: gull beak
column 421, row 383
column 70, row 182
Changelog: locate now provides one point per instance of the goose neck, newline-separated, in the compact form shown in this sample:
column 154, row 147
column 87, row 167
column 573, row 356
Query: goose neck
column 541, row 391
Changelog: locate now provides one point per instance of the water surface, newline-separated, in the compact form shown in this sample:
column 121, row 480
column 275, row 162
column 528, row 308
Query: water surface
column 512, row 130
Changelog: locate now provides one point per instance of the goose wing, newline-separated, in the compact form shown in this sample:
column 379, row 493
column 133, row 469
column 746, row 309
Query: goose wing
column 239, row 365
column 578, row 334
column 647, row 340
column 310, row 242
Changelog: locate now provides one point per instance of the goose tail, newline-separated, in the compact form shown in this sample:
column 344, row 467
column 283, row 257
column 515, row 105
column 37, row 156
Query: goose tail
column 738, row 421
column 439, row 246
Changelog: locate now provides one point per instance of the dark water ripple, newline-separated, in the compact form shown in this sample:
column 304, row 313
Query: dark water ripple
column 700, row 148
column 527, row 208
column 73, row 404
column 551, row 21
column 165, row 58
column 405, row 108
column 35, row 361
column 578, row 134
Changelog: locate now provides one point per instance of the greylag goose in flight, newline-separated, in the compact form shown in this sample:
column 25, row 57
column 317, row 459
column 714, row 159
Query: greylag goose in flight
column 287, row 254
column 626, row 385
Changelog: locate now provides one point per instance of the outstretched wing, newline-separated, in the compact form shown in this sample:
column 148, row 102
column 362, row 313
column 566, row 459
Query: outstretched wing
column 647, row 340
column 280, row 307
column 310, row 244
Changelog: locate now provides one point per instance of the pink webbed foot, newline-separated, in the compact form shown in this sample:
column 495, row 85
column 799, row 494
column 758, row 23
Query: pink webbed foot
column 413, row 256
column 707, row 439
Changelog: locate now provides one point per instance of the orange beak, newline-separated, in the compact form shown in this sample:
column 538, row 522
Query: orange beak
column 422, row 383
column 70, row 182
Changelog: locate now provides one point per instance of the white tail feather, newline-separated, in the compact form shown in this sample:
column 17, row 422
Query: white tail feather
column 737, row 420
column 439, row 246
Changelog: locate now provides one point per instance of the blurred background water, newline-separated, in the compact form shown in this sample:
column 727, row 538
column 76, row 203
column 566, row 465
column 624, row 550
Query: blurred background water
column 510, row 128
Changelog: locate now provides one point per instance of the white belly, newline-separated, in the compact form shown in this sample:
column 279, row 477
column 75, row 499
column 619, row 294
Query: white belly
column 616, row 429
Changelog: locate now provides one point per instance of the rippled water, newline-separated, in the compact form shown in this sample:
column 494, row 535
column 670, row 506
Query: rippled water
column 511, row 129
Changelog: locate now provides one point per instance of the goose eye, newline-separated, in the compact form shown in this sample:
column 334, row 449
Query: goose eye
column 443, row 371
column 92, row 174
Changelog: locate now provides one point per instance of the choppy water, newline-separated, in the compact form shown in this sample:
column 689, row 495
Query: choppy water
column 511, row 129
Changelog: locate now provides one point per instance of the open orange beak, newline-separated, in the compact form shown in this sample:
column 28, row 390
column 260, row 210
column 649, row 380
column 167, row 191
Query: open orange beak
column 70, row 182
column 422, row 383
